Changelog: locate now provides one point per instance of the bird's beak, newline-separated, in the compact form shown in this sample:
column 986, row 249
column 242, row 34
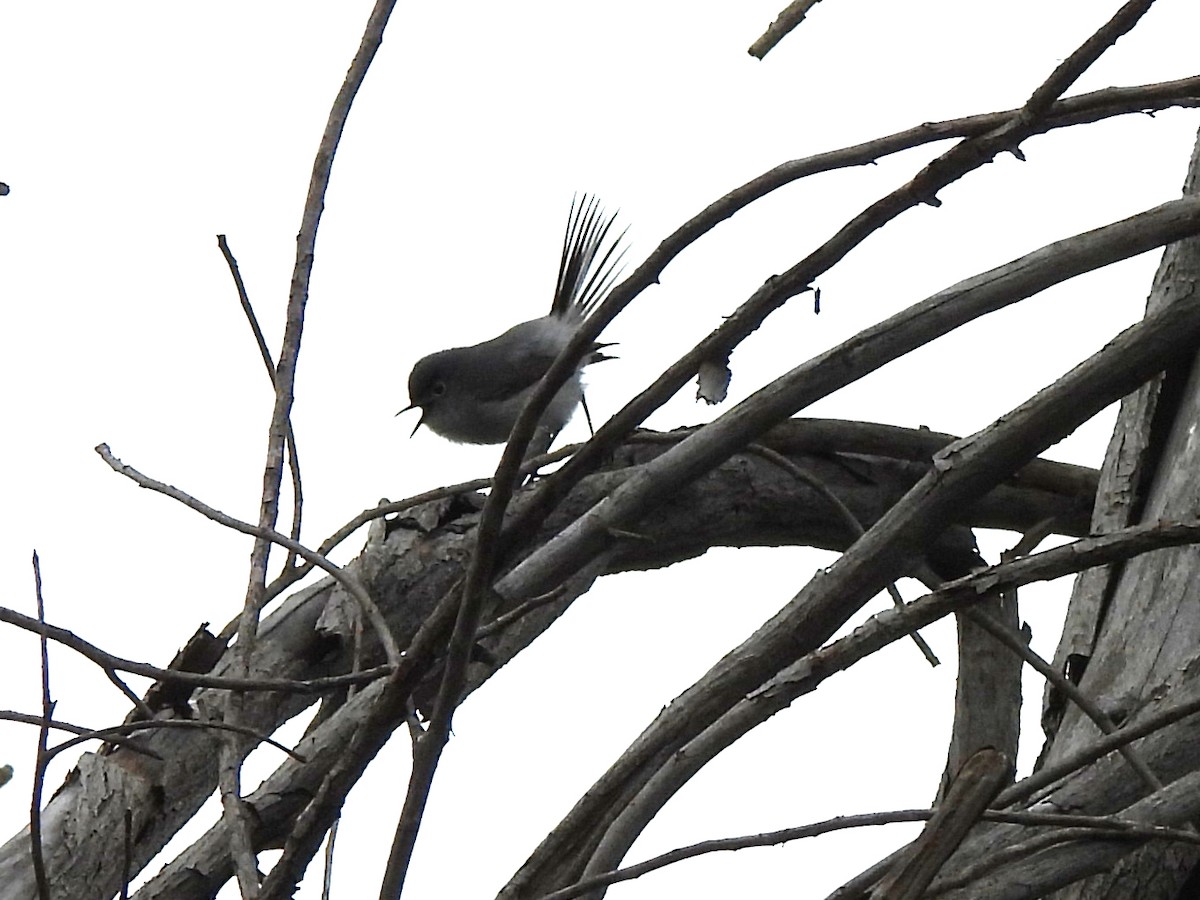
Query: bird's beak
column 420, row 421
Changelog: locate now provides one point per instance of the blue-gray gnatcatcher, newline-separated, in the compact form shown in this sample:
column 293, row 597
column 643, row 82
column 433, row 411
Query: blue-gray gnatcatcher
column 473, row 395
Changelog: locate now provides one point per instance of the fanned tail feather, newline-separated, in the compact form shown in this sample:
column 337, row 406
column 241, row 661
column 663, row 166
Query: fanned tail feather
column 591, row 258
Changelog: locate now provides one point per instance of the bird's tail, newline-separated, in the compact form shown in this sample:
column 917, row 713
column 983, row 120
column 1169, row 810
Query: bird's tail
column 591, row 258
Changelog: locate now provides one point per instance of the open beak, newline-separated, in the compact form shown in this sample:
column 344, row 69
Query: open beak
column 420, row 421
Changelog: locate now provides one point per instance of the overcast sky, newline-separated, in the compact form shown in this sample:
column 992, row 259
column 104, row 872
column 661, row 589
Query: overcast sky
column 138, row 131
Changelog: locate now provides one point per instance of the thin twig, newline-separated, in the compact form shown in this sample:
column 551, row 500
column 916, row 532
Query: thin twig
column 331, row 839
column 347, row 580
column 114, row 734
column 844, row 513
column 139, row 704
column 503, row 621
column 39, row 770
column 11, row 715
column 1106, row 826
column 428, row 747
column 1072, row 68
column 265, row 353
column 327, row 878
column 108, row 661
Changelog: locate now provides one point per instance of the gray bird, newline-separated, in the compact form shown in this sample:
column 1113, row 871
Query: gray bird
column 473, row 395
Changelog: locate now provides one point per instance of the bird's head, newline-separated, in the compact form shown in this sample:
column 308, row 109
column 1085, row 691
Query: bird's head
column 429, row 385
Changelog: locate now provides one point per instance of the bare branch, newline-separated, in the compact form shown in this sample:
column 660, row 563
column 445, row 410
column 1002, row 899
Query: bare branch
column 784, row 24
column 110, row 662
column 118, row 735
column 262, row 532
column 265, row 353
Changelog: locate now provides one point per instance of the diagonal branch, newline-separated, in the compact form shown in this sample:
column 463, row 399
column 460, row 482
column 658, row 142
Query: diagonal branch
column 265, row 352
column 260, row 532
column 784, row 24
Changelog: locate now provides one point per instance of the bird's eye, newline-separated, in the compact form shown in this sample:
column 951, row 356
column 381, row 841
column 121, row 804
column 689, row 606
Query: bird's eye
column 438, row 388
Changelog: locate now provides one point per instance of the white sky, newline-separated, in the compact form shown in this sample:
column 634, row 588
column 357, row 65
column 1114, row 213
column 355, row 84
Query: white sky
column 138, row 131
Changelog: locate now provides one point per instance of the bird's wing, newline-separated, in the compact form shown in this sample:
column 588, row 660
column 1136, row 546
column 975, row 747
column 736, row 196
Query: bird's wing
column 516, row 377
column 591, row 258
column 529, row 366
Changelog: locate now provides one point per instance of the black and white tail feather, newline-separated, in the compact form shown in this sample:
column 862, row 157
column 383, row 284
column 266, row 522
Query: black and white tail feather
column 582, row 282
column 474, row 394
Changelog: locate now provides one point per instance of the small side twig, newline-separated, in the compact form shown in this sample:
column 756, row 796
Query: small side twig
column 265, row 353
column 800, row 474
column 344, row 578
column 106, row 660
column 11, row 715
column 501, row 622
column 114, row 734
column 139, row 704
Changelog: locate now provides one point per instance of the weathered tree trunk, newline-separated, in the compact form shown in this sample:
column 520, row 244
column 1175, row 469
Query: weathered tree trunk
column 1135, row 628
column 1131, row 644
